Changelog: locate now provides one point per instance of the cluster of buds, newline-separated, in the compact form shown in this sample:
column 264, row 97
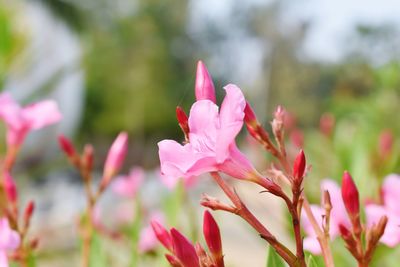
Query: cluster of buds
column 84, row 164
column 183, row 253
column 353, row 236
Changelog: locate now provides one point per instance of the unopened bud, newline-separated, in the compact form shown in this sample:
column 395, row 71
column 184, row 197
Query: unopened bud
column 215, row 204
column 277, row 123
column 183, row 121
column 162, row 235
column 326, row 124
column 66, row 146
column 115, row 158
column 350, row 195
column 28, row 212
column 249, row 116
column 385, row 143
column 204, row 88
column 213, row 237
column 173, row 261
column 34, row 243
column 88, row 157
column 10, row 188
column 184, row 249
column 299, row 167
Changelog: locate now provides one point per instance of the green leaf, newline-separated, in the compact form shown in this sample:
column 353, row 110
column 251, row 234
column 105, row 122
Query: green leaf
column 311, row 262
column 274, row 260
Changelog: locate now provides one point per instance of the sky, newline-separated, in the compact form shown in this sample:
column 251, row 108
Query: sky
column 333, row 21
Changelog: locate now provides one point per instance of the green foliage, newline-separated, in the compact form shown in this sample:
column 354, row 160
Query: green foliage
column 274, row 260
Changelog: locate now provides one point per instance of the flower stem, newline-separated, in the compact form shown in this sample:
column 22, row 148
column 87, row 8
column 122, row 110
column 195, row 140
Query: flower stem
column 245, row 213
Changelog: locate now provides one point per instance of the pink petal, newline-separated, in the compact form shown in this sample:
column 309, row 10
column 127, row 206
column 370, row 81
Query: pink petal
column 148, row 239
column 128, row 185
column 181, row 161
column 231, row 120
column 203, row 124
column 237, row 165
column 391, row 193
column 3, row 259
column 10, row 111
column 391, row 236
column 9, row 239
column 311, row 244
column 41, row 114
column 307, row 226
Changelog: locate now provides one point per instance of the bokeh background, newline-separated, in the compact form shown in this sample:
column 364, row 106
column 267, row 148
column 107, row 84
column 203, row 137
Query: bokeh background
column 116, row 65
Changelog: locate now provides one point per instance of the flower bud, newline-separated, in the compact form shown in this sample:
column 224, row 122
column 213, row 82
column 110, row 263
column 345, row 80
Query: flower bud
column 162, row 235
column 250, row 116
column 385, row 143
column 183, row 121
column 88, row 157
column 350, row 195
column 204, row 88
column 66, row 146
column 173, row 261
column 28, row 212
column 184, row 249
column 326, row 124
column 115, row 158
column 10, row 188
column 299, row 166
column 212, row 236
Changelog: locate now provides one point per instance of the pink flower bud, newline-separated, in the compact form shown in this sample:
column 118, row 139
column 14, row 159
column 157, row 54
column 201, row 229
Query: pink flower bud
column 182, row 120
column 173, row 261
column 204, row 88
column 162, row 235
column 88, row 157
column 344, row 231
column 184, row 249
column 115, row 157
column 28, row 212
column 212, row 236
column 385, row 143
column 66, row 146
column 326, row 124
column 10, row 188
column 350, row 195
column 299, row 166
column 249, row 115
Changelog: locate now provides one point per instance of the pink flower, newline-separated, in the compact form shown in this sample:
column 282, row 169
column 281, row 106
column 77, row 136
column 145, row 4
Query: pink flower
column 211, row 144
column 21, row 120
column 338, row 216
column 9, row 240
column 390, row 208
column 128, row 185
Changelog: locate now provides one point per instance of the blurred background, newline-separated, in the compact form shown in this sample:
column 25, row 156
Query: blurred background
column 116, row 65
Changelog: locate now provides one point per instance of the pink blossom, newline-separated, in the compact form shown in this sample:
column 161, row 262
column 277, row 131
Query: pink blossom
column 9, row 240
column 390, row 208
column 148, row 240
column 20, row 120
column 338, row 216
column 211, row 144
column 128, row 185
column 204, row 88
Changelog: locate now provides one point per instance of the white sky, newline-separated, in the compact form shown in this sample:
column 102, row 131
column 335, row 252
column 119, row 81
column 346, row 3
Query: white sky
column 333, row 20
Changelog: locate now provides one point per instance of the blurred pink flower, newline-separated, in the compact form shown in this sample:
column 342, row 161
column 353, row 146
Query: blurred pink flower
column 128, row 185
column 338, row 216
column 211, row 144
column 390, row 208
column 115, row 158
column 9, row 240
column 171, row 182
column 21, row 120
column 148, row 240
